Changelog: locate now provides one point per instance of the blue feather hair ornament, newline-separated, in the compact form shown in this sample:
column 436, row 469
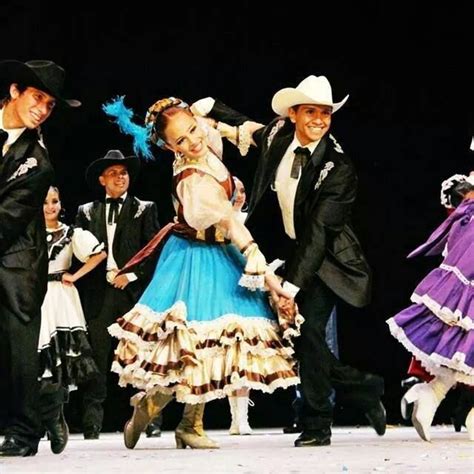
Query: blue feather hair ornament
column 122, row 116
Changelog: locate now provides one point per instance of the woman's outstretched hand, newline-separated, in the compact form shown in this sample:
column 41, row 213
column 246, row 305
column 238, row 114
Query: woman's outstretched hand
column 282, row 298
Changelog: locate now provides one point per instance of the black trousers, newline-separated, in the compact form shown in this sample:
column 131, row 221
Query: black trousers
column 27, row 409
column 115, row 304
column 19, row 368
column 320, row 371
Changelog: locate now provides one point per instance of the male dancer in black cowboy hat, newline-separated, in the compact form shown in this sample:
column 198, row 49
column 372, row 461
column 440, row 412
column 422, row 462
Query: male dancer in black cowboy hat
column 126, row 224
column 304, row 189
column 34, row 90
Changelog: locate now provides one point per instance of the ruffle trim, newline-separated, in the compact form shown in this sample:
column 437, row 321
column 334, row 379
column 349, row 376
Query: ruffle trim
column 200, row 362
column 144, row 327
column 252, row 282
column 451, row 318
column 458, row 273
column 454, row 307
column 67, row 361
column 434, row 363
column 183, row 396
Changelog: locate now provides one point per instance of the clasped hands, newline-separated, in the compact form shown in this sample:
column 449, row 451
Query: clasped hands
column 282, row 298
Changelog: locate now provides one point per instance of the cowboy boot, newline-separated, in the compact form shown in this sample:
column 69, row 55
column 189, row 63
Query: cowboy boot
column 145, row 408
column 426, row 398
column 190, row 431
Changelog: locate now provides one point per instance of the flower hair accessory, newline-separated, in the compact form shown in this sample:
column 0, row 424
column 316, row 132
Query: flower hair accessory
column 446, row 186
column 122, row 116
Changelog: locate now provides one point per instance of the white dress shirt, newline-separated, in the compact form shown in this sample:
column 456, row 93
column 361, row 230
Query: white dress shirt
column 13, row 134
column 285, row 185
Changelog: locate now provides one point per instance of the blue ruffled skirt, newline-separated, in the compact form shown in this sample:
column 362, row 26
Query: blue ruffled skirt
column 205, row 278
column 199, row 335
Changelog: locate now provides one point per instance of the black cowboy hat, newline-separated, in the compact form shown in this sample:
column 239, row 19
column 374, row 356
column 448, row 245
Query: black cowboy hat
column 112, row 157
column 44, row 75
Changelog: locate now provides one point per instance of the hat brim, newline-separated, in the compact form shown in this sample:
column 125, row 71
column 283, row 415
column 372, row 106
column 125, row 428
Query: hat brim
column 12, row 71
column 289, row 97
column 97, row 167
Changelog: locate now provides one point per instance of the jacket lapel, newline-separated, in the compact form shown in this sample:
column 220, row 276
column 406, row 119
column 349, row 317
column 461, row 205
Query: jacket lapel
column 124, row 215
column 270, row 165
column 100, row 229
column 16, row 150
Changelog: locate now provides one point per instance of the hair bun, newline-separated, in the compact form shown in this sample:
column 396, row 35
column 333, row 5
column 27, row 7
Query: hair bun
column 447, row 187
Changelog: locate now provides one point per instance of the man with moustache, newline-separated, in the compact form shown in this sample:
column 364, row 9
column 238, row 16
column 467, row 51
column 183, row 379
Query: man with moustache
column 125, row 223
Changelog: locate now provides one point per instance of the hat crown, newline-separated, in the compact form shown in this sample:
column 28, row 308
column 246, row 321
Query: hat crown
column 114, row 155
column 41, row 74
column 316, row 87
column 312, row 90
column 49, row 73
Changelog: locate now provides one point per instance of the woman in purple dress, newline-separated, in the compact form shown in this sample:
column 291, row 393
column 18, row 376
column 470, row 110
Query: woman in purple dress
column 438, row 329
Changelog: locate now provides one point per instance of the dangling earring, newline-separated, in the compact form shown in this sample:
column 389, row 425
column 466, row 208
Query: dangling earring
column 178, row 155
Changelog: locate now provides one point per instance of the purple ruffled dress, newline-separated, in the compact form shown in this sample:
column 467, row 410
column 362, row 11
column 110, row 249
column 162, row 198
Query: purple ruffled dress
column 438, row 329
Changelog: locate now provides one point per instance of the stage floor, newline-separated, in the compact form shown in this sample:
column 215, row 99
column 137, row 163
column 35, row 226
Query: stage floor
column 266, row 451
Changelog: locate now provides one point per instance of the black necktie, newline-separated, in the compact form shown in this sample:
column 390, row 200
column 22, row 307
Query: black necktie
column 302, row 155
column 113, row 209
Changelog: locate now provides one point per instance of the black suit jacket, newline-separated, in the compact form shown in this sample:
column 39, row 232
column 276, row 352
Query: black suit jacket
column 25, row 176
column 136, row 225
column 325, row 242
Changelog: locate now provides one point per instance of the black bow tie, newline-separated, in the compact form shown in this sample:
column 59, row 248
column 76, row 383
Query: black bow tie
column 302, row 155
column 113, row 209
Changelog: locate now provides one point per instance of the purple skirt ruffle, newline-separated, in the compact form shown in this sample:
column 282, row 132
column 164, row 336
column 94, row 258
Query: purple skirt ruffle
column 449, row 295
column 437, row 345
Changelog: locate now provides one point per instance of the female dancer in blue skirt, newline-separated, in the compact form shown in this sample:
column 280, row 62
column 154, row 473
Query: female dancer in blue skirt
column 204, row 327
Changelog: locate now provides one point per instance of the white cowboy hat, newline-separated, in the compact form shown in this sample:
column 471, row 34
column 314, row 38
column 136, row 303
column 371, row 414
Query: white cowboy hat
column 312, row 90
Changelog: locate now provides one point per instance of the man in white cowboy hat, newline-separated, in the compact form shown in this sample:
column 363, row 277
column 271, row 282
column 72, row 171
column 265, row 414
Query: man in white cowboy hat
column 33, row 89
column 125, row 223
column 304, row 189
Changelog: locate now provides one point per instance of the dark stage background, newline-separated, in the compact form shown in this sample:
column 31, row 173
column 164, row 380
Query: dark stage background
column 407, row 123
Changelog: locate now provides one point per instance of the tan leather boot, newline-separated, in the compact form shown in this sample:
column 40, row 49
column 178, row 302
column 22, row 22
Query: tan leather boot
column 190, row 432
column 145, row 408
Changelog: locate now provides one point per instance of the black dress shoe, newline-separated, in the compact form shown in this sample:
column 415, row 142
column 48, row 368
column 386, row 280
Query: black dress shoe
column 13, row 447
column 313, row 439
column 92, row 432
column 377, row 418
column 294, row 428
column 58, row 434
column 463, row 406
column 153, row 431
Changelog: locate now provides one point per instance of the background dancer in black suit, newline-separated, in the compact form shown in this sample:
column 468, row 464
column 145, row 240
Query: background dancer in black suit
column 126, row 224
